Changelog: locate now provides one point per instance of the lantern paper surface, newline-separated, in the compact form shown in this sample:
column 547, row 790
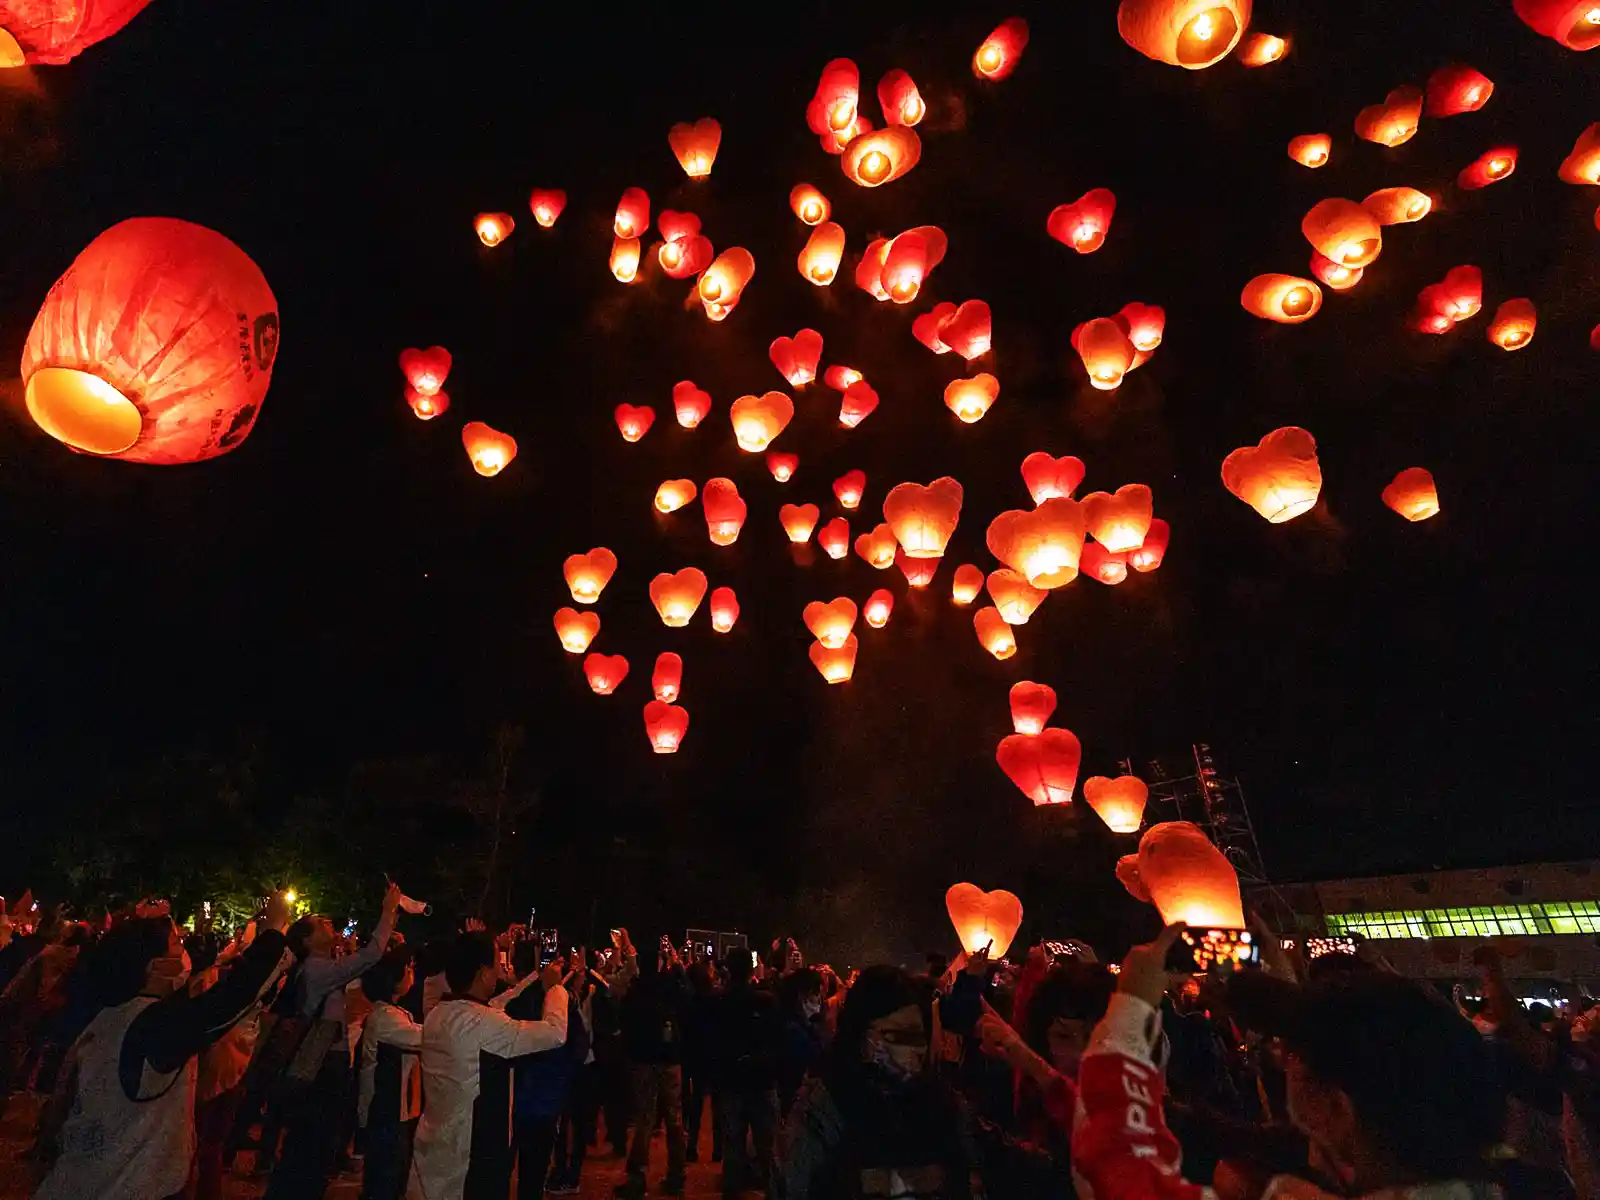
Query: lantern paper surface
column 156, row 346
column 604, row 672
column 1286, row 299
column 1398, row 205
column 1048, row 477
column 839, row 378
column 1014, row 597
column 902, row 103
column 969, row 330
column 575, row 629
column 634, row 421
column 819, row 258
column 1513, row 324
column 1153, row 549
column 834, row 104
column 725, row 510
column 1119, row 520
column 834, row 538
column 919, row 572
column 633, row 214
column 1491, row 166
column 1394, row 121
column 878, row 547
column 869, row 271
column 1457, row 88
column 588, row 574
column 625, row 259
column 926, row 327
column 674, row 494
column 836, row 663
column 1043, row 765
column 909, row 259
column 969, row 399
column 878, row 607
column 1193, row 34
column 1311, row 149
column 690, row 404
column 881, row 156
column 983, row 919
column 685, row 256
column 1413, row 495
column 1575, row 24
column 1032, row 705
column 1044, row 544
column 1279, row 477
column 665, row 725
column 1144, row 324
column 1186, row 877
column 546, row 205
column 1583, row 164
column 695, row 145
column 1260, row 49
column 798, row 520
column 493, row 227
column 427, row 407
column 724, row 609
column 489, row 450
column 54, row 32
column 966, row 585
column 1118, row 802
column 1102, row 565
column 849, row 488
column 830, row 623
column 676, row 595
column 782, row 466
column 1344, row 231
column 796, row 358
column 1084, row 223
column 994, row 633
column 757, row 420
column 667, row 679
column 426, row 370
column 809, row 204
column 857, row 403
column 1335, row 275
column 1106, row 352
column 999, row 53
column 924, row 517
column 724, row 281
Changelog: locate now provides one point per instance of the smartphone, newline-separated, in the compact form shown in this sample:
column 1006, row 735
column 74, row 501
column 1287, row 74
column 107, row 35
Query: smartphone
column 1201, row 951
column 755, row 959
column 1317, row 947
column 615, row 934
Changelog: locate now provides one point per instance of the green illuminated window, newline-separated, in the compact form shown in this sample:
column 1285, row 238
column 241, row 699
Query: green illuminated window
column 1576, row 916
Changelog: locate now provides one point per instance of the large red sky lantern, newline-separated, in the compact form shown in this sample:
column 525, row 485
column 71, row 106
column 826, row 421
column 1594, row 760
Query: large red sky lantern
column 665, row 725
column 676, row 595
column 1118, row 802
column 875, row 612
column 834, row 538
column 604, row 672
column 999, row 53
column 881, row 156
column 835, row 663
column 809, row 204
column 588, row 574
column 667, row 678
column 52, row 32
column 1119, row 520
column 1180, row 871
column 489, row 450
column 1279, row 477
column 969, row 330
column 832, row 622
column 426, row 370
column 1261, row 49
column 634, row 420
column 576, row 629
column 819, row 257
column 695, row 144
column 725, row 510
column 849, row 488
column 724, row 609
column 796, row 357
column 1044, row 545
column 1193, row 34
column 1394, row 121
column 909, row 259
column 1286, row 299
column 902, row 103
column 924, row 517
column 983, row 920
column 1457, row 88
column 1493, row 165
column 690, row 404
column 1575, row 24
column 995, row 633
column 834, row 105
column 546, row 204
column 878, row 546
column 1015, row 599
column 1048, row 477
column 1043, row 765
column 156, row 346
column 1083, row 224
column 1032, row 705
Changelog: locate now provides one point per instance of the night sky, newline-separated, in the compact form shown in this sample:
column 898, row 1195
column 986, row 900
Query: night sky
column 345, row 588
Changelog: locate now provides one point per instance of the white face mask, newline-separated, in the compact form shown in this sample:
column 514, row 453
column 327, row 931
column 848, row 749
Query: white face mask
column 810, row 1008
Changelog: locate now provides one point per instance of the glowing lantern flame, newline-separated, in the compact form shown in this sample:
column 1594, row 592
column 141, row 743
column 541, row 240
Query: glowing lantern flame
column 831, row 623
column 1575, row 24
column 994, row 634
column 878, row 547
column 588, row 574
column 1491, row 166
column 757, row 420
column 1014, row 597
column 1398, row 205
column 857, row 403
column 723, row 282
column 1106, row 352
column 633, row 214
column 1153, row 549
column 999, row 53
column 695, row 146
column 1120, row 521
column 1044, row 544
column 810, row 205
column 625, row 259
column 667, row 679
column 489, row 449
column 1311, row 149
column 1413, row 495
column 1344, row 231
column 833, row 105
column 1457, row 297
column 1144, row 325
column 493, row 228
column 1084, row 223
column 909, row 259
column 902, row 103
column 1186, row 877
column 427, row 407
column 819, row 259
column 879, row 605
column 881, row 156
column 1513, row 324
column 969, row 330
column 799, row 520
column 1583, row 164
column 971, row 398
column 575, row 629
column 676, row 595
column 836, row 664
column 725, row 511
column 634, row 421
column 1044, row 766
column 1457, row 88
column 835, row 538
column 665, row 725
column 1102, row 565
column 546, row 205
column 689, row 404
column 1048, row 478
column 796, row 358
column 1279, row 477
column 1193, row 34
column 1032, row 705
column 840, row 378
column 926, row 327
column 923, row 518
column 724, row 609
column 674, row 494
column 1394, row 121
column 849, row 487
column 1286, row 299
column 1336, row 275
column 604, row 672
column 966, row 585
column 1118, row 802
column 919, row 572
column 426, row 370
column 1260, row 49
column 983, row 919
column 782, row 466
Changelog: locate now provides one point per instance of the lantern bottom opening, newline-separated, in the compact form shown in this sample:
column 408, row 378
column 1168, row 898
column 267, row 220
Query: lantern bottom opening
column 83, row 410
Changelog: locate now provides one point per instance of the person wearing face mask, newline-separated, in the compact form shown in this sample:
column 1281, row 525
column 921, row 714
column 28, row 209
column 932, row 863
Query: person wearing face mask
column 123, row 1115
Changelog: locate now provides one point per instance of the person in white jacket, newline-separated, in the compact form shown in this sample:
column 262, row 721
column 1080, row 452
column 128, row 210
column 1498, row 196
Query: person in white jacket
column 463, row 1141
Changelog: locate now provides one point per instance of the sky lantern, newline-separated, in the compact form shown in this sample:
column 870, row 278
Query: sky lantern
column 969, row 330
column 919, row 572
column 1457, row 297
column 689, row 403
column 1032, row 705
column 427, row 408
column 683, row 251
column 836, row 663
column 588, row 574
column 1491, row 166
column 782, row 466
column 1106, row 352
column 1048, row 477
column 757, row 420
column 1144, row 324
column 1118, row 802
column 546, row 205
column 1336, row 275
column 830, row 623
column 1286, row 299
column 1192, row 34
column 881, row 155
column 158, row 342
column 489, row 449
column 796, row 358
column 834, row 104
column 575, row 629
column 54, row 32
column 1119, row 521
column 1153, row 549
column 1279, row 477
column 850, row 487
column 857, row 403
column 869, row 271
column 674, row 494
column 810, row 205
column 1394, row 121
column 426, row 370
column 1513, row 324
column 924, row 517
column 1583, row 164
column 1594, row 334
column 493, row 227
column 1084, row 223
column 1260, row 49
column 798, row 520
column 1344, row 231
column 837, row 142
column 926, row 327
column 839, row 378
column 969, row 399
column 667, row 679
column 902, row 103
column 634, row 420
column 604, row 672
column 909, row 259
column 1311, row 149
column 994, row 634
column 878, row 607
column 625, row 259
column 724, row 281
column 1413, row 495
column 724, row 609
column 834, row 538
column 1102, row 565
column 983, row 920
column 999, row 53
column 819, row 258
column 878, row 547
column 1186, row 877
column 677, row 594
column 1456, row 88
column 725, row 510
column 665, row 725
column 1014, row 597
column 695, row 146
column 1398, row 205
column 1573, row 23
column 1044, row 544
column 633, row 214
column 1043, row 765
column 966, row 585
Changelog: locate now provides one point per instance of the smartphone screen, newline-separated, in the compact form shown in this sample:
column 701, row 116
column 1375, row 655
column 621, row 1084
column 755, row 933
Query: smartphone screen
column 1199, row 951
column 1317, row 947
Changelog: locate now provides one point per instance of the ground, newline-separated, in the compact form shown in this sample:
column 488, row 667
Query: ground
column 600, row 1174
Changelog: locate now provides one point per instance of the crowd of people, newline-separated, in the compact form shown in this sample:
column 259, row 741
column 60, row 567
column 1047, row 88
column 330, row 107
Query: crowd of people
column 480, row 1064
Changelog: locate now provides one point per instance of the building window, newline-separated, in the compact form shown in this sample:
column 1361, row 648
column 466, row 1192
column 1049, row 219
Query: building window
column 1519, row 920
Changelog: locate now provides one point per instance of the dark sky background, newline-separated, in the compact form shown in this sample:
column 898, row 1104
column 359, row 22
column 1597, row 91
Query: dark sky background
column 346, row 588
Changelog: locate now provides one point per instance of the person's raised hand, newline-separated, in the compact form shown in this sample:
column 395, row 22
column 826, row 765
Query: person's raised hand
column 503, row 941
column 997, row 1038
column 391, row 898
column 279, row 912
column 978, row 962
column 551, row 975
column 1144, row 971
